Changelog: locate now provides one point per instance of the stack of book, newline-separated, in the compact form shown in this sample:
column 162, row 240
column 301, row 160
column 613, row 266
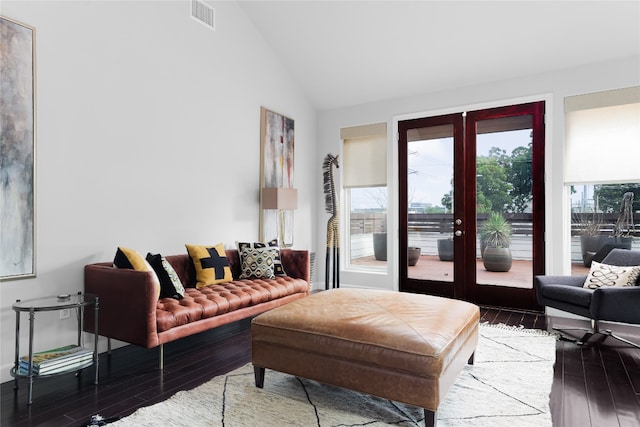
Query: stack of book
column 56, row 360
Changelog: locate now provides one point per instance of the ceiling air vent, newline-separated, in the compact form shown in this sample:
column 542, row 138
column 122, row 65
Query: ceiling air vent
column 203, row 13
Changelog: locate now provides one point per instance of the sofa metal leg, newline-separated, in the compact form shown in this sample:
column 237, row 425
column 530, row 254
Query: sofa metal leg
column 588, row 333
column 595, row 330
column 585, row 338
column 609, row 333
column 579, row 341
column 161, row 351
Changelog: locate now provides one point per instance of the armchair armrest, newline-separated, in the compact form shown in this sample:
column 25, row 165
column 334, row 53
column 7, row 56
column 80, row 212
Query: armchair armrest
column 541, row 282
column 577, row 281
column 127, row 304
column 616, row 304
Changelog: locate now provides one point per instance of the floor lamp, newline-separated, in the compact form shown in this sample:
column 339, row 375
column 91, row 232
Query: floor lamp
column 280, row 199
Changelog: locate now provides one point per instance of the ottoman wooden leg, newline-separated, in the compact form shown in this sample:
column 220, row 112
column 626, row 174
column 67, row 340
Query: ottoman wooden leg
column 429, row 418
column 258, row 373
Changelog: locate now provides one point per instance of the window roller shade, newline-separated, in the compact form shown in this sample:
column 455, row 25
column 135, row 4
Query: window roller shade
column 603, row 137
column 365, row 156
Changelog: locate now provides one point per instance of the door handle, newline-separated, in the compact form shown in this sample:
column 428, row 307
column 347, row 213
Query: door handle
column 458, row 233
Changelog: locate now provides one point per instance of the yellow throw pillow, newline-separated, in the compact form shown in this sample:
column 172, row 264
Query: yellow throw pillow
column 211, row 264
column 128, row 258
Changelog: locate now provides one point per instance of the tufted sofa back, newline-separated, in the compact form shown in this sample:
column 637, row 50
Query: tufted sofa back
column 292, row 265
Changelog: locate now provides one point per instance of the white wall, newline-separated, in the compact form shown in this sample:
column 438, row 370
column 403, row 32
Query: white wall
column 147, row 137
column 552, row 87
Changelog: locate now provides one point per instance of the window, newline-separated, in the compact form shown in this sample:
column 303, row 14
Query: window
column 601, row 173
column 364, row 177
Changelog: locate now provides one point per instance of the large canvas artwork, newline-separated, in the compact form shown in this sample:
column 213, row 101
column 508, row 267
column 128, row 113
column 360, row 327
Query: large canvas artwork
column 17, row 150
column 277, row 143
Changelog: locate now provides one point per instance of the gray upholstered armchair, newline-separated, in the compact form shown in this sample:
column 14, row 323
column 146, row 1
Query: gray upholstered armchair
column 614, row 304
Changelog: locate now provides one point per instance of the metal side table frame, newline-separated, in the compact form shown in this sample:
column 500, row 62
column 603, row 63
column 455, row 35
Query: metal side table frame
column 78, row 302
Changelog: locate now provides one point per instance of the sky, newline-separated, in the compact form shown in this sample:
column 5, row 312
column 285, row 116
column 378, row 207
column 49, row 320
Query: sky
column 431, row 167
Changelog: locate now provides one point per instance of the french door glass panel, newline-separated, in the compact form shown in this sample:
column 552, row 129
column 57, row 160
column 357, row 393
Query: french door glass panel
column 504, row 190
column 430, row 154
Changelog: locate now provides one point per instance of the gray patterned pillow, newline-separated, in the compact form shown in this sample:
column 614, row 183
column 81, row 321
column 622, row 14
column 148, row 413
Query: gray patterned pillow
column 278, row 269
column 258, row 263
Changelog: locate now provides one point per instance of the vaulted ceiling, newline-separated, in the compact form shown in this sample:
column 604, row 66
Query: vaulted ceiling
column 344, row 53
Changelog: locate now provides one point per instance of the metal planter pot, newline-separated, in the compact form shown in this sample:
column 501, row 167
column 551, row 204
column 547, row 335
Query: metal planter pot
column 497, row 259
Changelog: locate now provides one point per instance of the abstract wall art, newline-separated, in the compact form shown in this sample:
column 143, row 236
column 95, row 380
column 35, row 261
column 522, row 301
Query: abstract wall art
column 17, row 150
column 277, row 144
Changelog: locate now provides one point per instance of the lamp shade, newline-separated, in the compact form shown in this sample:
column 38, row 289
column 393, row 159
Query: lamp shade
column 280, row 198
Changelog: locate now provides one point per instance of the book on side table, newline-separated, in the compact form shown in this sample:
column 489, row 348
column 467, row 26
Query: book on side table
column 56, row 360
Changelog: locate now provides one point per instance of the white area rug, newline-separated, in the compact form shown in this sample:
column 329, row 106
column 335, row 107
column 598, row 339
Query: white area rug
column 508, row 385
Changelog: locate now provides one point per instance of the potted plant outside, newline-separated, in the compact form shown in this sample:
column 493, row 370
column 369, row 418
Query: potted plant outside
column 380, row 246
column 589, row 225
column 445, row 249
column 592, row 240
column 496, row 233
column 413, row 255
column 380, row 239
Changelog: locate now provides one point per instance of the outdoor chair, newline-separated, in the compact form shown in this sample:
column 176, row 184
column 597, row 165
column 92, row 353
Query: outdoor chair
column 613, row 304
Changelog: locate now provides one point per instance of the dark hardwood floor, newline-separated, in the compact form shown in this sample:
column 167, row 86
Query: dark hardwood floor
column 596, row 385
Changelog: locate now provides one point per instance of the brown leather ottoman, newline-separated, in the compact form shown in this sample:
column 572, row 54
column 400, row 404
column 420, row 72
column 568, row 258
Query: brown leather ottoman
column 404, row 347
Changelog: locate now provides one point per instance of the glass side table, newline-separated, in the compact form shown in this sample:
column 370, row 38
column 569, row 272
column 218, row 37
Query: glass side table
column 77, row 302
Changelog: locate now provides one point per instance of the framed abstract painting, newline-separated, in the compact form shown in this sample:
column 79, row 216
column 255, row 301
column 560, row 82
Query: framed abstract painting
column 277, row 146
column 17, row 150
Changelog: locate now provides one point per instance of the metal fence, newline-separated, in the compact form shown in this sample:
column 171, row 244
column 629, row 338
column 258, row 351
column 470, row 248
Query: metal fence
column 521, row 223
column 425, row 229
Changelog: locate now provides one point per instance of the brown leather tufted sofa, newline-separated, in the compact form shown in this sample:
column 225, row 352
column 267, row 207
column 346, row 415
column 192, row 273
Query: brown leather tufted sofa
column 130, row 309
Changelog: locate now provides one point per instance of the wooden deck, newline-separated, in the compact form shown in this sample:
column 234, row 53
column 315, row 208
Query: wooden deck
column 429, row 267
